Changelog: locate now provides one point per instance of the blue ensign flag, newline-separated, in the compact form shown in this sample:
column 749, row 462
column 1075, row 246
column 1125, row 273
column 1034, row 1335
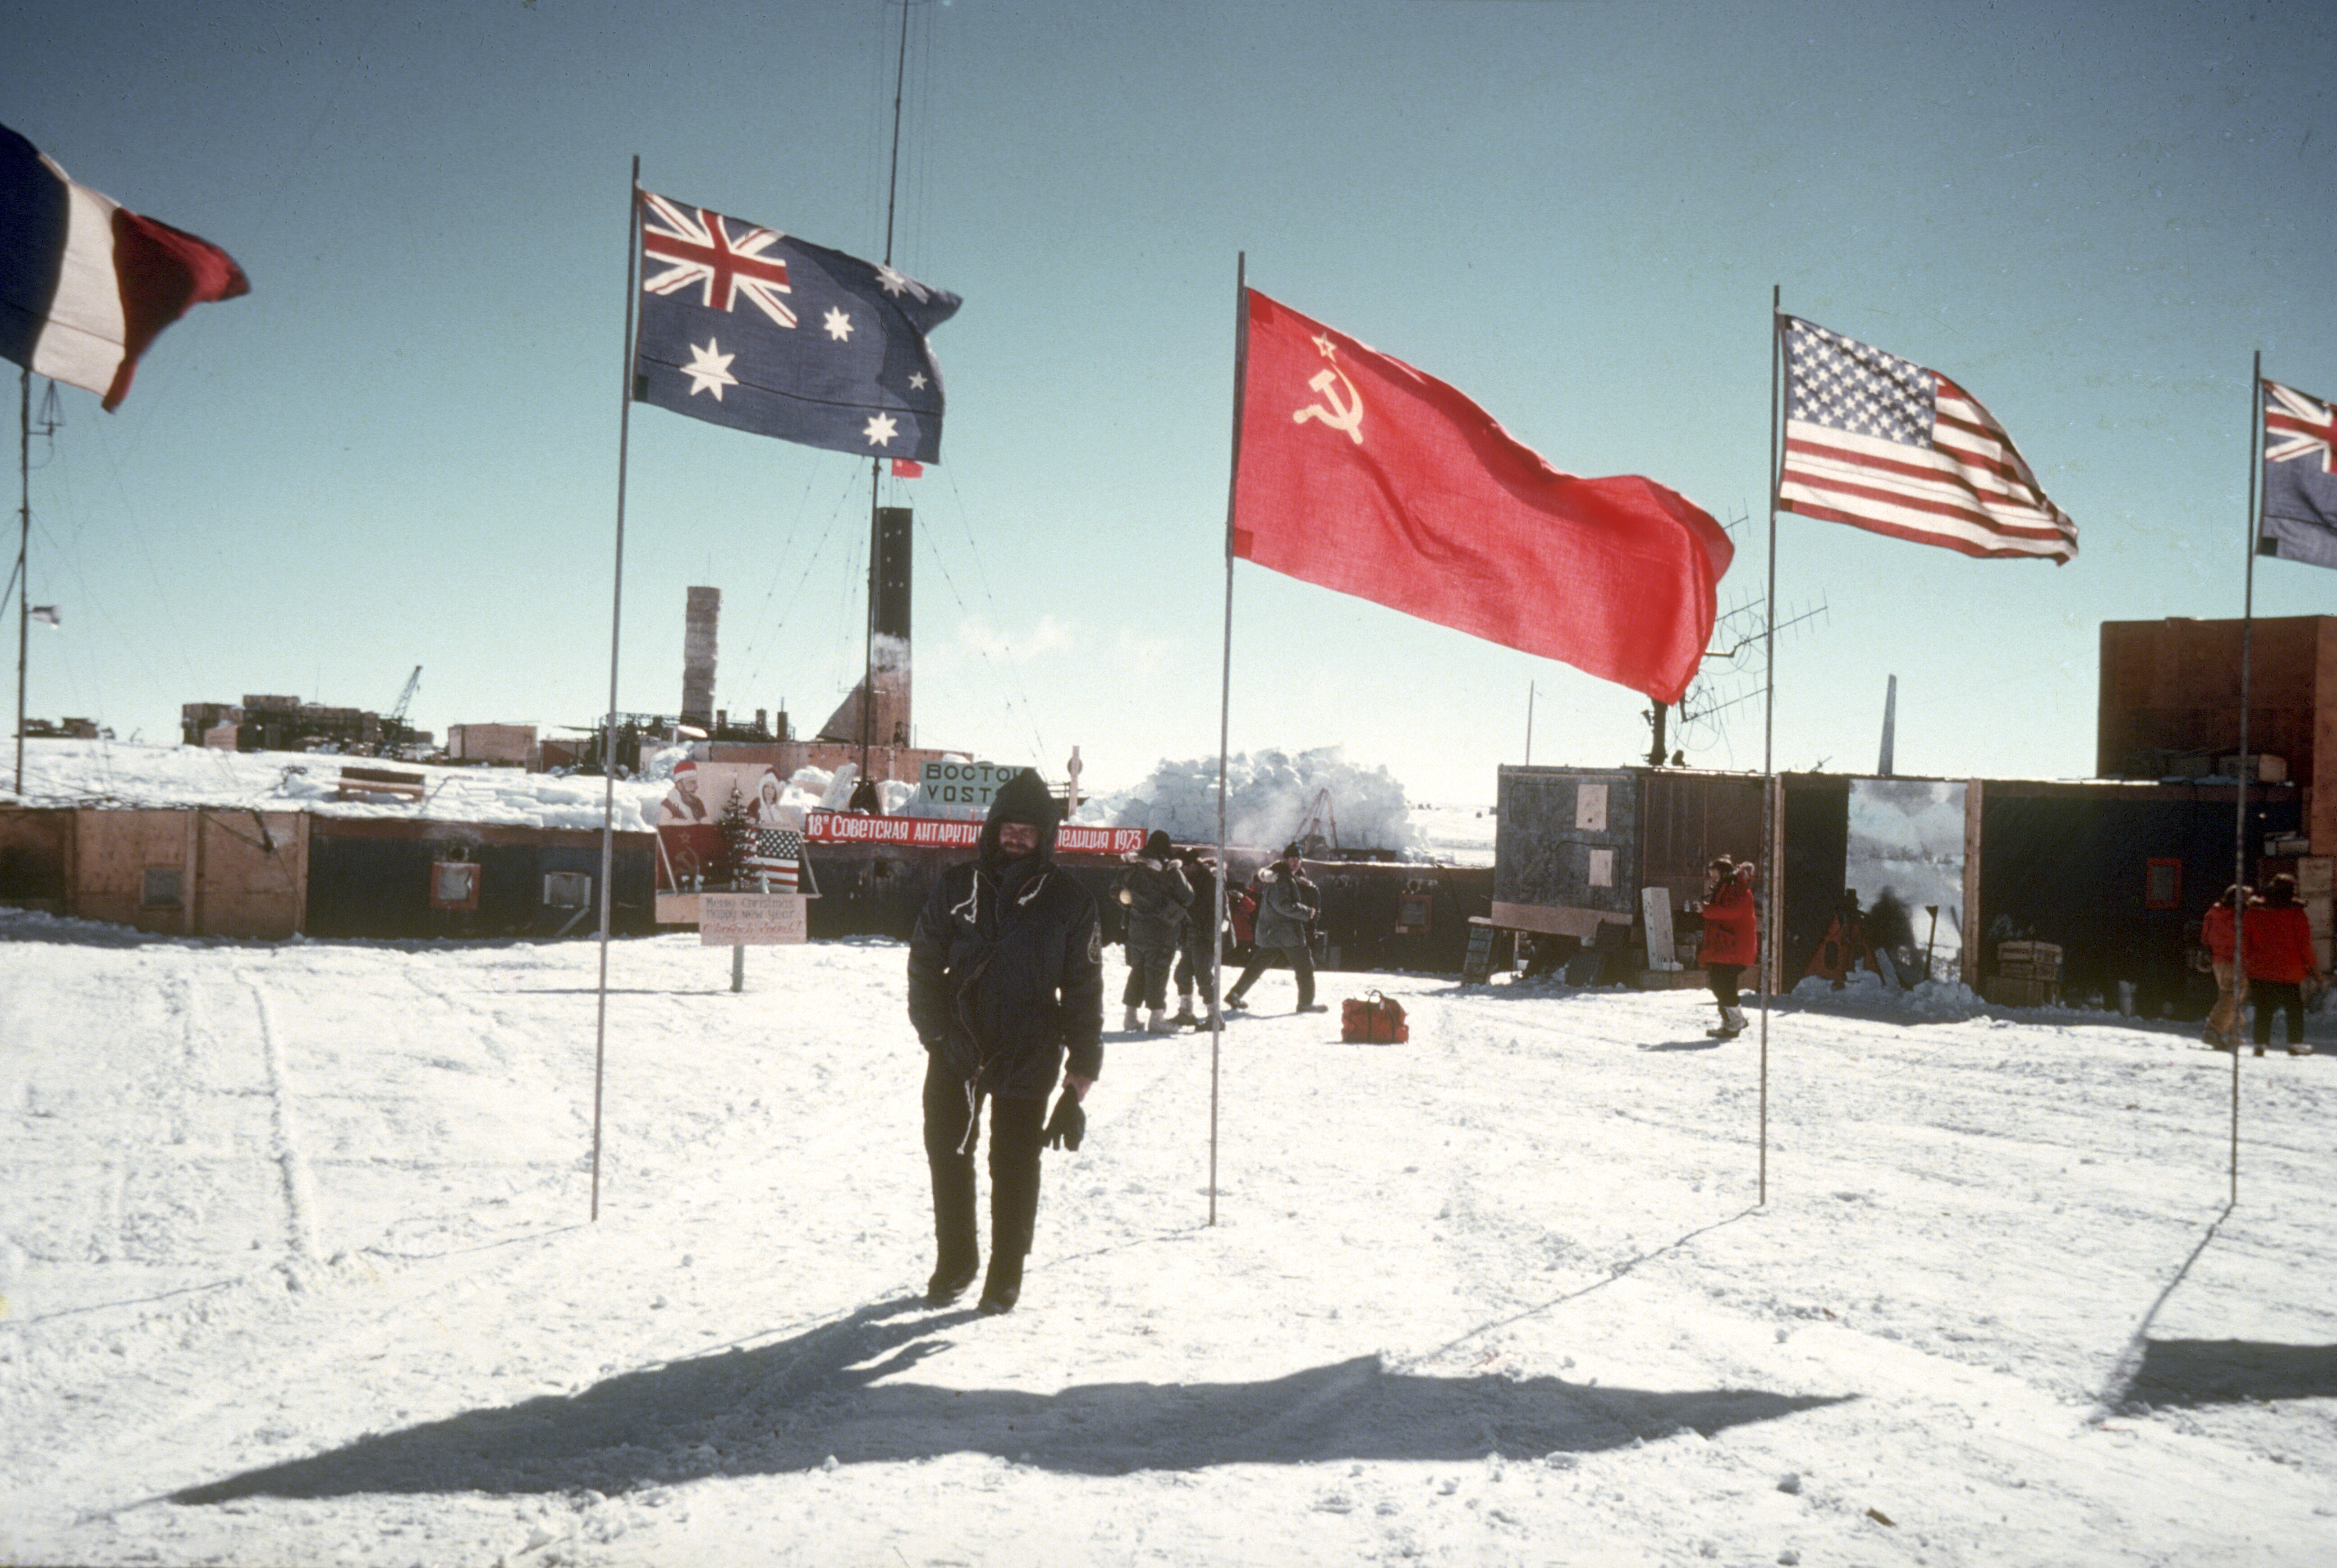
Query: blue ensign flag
column 2299, row 478
column 744, row 327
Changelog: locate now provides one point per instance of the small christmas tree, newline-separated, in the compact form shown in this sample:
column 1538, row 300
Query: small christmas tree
column 735, row 843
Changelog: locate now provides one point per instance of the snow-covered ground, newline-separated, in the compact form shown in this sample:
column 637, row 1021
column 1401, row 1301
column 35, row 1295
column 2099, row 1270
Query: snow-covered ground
column 297, row 1268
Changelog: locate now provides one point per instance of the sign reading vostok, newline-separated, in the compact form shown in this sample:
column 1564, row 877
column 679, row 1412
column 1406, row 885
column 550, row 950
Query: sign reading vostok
column 961, row 787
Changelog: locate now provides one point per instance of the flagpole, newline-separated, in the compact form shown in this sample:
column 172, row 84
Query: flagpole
column 24, row 556
column 2240, row 796
column 1224, row 720
column 609, row 734
column 1771, row 795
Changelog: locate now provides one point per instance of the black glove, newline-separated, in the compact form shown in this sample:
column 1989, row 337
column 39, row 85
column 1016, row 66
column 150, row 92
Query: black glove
column 1067, row 1125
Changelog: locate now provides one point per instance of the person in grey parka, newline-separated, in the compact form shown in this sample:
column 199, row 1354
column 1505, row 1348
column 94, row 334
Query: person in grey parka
column 1156, row 893
column 1288, row 902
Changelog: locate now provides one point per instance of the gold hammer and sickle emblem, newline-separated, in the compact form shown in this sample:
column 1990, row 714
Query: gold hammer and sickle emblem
column 1342, row 414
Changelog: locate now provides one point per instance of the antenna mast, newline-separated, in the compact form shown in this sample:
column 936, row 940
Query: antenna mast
column 877, row 465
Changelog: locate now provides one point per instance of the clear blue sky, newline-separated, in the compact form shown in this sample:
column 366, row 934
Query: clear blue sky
column 401, row 448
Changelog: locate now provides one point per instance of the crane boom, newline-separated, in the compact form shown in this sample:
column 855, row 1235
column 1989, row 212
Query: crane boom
column 393, row 729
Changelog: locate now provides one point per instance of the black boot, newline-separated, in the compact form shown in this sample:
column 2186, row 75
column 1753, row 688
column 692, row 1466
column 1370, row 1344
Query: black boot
column 1003, row 1287
column 957, row 1246
column 949, row 1282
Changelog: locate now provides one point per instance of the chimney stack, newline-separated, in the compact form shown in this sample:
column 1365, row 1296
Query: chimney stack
column 697, row 657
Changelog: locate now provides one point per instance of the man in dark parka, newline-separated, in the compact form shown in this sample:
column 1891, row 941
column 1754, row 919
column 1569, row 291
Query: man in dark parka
column 1005, row 978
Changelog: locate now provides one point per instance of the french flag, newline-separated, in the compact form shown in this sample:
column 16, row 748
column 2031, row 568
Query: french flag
column 86, row 284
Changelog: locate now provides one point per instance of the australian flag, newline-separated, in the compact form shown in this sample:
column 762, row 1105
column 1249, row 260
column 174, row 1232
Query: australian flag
column 744, row 327
column 2299, row 478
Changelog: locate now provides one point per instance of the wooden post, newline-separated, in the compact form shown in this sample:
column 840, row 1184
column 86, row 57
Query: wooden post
column 192, row 874
column 1975, row 807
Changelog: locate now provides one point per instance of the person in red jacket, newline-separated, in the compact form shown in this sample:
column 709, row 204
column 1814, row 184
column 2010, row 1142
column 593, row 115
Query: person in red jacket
column 2231, row 987
column 2276, row 950
column 1732, row 938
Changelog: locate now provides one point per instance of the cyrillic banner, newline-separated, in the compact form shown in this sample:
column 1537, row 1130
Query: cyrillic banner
column 941, row 833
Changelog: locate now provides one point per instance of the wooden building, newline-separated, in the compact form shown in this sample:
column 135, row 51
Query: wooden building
column 183, row 871
column 215, row 871
column 2116, row 874
column 2170, row 705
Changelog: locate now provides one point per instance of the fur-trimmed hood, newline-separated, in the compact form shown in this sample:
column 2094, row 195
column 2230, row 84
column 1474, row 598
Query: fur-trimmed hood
column 1021, row 799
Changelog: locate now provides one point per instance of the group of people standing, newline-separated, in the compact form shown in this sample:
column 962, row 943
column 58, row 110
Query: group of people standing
column 1171, row 898
column 2261, row 945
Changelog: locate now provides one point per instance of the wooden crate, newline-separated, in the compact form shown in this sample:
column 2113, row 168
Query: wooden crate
column 2028, row 961
column 358, row 781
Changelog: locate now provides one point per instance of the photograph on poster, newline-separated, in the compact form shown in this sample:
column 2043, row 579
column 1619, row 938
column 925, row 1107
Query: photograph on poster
column 689, row 834
column 1906, row 860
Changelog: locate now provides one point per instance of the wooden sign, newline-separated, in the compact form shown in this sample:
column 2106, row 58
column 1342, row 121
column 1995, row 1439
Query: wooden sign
column 750, row 920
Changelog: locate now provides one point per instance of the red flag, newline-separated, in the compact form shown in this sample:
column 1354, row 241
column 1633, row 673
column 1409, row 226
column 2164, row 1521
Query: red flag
column 1356, row 471
column 907, row 468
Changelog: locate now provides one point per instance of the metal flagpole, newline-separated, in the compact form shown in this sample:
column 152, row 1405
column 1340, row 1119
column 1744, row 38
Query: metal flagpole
column 23, row 557
column 2240, row 796
column 609, row 734
column 1225, row 712
column 1771, row 800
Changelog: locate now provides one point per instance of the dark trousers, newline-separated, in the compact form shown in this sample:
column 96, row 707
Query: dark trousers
column 952, row 1128
column 1723, row 978
column 1148, row 978
column 1195, row 964
column 1298, row 957
column 2278, row 996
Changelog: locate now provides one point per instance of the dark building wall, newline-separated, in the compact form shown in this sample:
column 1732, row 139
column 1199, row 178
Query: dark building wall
column 1690, row 817
column 371, row 877
column 36, row 857
column 1816, row 869
column 1364, row 903
column 2069, row 865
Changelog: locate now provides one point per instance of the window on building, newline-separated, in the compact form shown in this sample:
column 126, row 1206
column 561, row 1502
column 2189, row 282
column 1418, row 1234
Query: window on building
column 2162, row 883
column 454, row 885
column 567, row 889
column 165, row 889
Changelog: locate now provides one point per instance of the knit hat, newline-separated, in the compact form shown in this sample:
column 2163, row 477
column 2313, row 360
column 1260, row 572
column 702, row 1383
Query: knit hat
column 1292, row 852
column 1157, row 845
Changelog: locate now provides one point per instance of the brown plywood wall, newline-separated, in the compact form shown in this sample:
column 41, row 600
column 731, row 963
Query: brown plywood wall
column 238, row 873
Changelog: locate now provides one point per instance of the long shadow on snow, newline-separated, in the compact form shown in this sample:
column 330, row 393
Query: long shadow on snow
column 2196, row 1372
column 787, row 1407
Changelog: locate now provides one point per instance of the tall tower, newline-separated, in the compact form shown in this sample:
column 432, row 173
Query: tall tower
column 888, row 646
column 697, row 656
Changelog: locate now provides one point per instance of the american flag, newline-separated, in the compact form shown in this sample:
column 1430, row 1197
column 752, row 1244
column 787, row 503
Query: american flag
column 2299, row 478
column 1882, row 443
column 776, row 855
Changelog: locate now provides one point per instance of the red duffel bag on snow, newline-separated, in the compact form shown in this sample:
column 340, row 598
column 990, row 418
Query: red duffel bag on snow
column 1372, row 1021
